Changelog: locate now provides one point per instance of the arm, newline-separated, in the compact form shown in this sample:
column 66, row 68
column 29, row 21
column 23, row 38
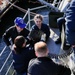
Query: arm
column 6, row 37
column 64, row 70
column 35, row 71
column 33, row 68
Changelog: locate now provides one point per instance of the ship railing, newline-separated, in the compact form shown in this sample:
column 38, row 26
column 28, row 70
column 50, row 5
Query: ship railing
column 10, row 53
column 57, row 3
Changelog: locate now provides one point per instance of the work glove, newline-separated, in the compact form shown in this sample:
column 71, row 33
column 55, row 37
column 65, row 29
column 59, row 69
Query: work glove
column 43, row 37
column 10, row 47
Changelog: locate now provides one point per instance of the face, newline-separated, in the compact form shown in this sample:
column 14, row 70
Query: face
column 38, row 22
column 18, row 28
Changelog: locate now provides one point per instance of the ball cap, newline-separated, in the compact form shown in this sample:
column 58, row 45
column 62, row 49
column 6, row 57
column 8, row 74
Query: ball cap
column 20, row 22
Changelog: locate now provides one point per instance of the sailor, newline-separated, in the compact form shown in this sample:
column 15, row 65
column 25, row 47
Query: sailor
column 39, row 26
column 21, row 55
column 13, row 31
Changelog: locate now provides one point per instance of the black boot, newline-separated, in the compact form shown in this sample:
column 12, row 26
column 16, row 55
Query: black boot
column 58, row 41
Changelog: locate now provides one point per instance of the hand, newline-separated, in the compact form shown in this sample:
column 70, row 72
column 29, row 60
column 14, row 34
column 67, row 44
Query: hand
column 43, row 37
column 10, row 46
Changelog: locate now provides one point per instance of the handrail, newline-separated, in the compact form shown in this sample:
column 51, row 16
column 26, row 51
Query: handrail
column 38, row 7
column 21, row 9
column 59, row 3
column 5, row 61
column 54, row 2
column 3, row 51
column 13, row 72
column 25, row 15
column 9, row 68
column 29, row 17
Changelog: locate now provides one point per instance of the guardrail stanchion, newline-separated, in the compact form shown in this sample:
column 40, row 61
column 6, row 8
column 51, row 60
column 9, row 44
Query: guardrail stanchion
column 29, row 17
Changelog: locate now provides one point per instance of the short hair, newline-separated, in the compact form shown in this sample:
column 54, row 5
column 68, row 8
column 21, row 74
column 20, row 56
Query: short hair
column 19, row 41
column 38, row 16
column 40, row 47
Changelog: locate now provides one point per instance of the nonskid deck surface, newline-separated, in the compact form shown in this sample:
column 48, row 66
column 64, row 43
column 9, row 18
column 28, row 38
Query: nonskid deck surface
column 55, row 49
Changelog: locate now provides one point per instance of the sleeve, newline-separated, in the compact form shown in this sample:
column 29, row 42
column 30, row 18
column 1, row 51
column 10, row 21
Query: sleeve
column 28, row 31
column 32, row 34
column 27, row 36
column 6, row 37
column 33, row 69
column 70, row 24
column 33, row 72
column 64, row 70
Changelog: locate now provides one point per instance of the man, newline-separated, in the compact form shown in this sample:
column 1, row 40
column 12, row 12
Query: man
column 14, row 31
column 43, row 65
column 21, row 55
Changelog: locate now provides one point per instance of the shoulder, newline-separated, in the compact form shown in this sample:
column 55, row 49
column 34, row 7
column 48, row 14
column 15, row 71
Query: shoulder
column 29, row 51
column 45, row 25
column 10, row 28
column 34, row 27
column 26, row 29
column 64, row 70
column 33, row 67
column 33, row 62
